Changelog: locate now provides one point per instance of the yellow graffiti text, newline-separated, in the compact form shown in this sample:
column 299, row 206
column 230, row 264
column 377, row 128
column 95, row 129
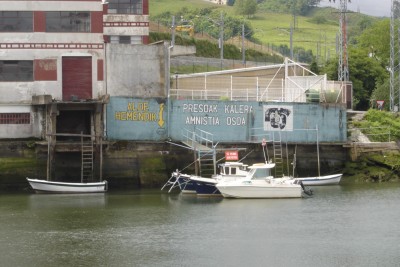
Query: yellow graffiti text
column 135, row 116
column 160, row 116
column 141, row 106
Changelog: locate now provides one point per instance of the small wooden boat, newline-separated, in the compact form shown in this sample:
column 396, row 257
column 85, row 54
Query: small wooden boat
column 44, row 186
column 87, row 184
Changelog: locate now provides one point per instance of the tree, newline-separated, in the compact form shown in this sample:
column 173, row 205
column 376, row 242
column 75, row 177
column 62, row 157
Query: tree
column 382, row 92
column 246, row 7
column 366, row 73
column 376, row 40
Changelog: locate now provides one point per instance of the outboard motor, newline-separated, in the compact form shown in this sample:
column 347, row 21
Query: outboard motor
column 306, row 190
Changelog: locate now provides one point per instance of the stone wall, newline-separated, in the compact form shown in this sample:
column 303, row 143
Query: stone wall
column 130, row 165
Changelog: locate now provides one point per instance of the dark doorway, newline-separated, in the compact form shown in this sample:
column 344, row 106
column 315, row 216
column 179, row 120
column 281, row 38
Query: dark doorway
column 73, row 122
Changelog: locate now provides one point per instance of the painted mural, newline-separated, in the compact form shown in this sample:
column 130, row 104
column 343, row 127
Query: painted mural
column 227, row 121
column 278, row 118
column 136, row 119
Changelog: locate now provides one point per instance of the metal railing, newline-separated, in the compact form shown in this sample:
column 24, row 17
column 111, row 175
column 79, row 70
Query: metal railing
column 370, row 134
column 301, row 90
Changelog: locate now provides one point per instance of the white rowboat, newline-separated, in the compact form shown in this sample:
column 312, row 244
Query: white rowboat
column 44, row 186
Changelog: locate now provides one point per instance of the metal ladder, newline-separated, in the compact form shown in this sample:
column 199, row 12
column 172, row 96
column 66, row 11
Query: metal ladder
column 278, row 157
column 87, row 160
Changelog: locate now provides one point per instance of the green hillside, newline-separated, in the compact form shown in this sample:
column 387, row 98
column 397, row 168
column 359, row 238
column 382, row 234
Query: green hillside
column 316, row 32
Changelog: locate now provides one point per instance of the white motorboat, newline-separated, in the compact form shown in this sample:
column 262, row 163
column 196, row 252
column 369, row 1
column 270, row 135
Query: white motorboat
column 205, row 186
column 228, row 171
column 44, row 186
column 259, row 183
column 333, row 179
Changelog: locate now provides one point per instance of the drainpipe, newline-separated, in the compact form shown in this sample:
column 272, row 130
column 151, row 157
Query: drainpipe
column 168, row 76
column 105, row 79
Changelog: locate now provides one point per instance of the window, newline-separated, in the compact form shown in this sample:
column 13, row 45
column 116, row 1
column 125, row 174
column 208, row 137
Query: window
column 15, row 118
column 120, row 39
column 16, row 70
column 67, row 21
column 124, row 39
column 16, row 21
column 125, row 7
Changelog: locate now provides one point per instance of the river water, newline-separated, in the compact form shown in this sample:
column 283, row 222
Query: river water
column 346, row 225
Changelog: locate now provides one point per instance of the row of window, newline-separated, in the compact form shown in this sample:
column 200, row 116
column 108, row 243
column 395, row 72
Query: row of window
column 56, row 21
column 125, row 7
column 15, row 118
column 64, row 21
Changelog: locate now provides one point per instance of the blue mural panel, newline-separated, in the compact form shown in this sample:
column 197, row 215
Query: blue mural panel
column 235, row 121
column 227, row 121
column 136, row 119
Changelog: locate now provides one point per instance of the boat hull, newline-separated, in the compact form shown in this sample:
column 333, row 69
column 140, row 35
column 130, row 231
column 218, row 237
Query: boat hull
column 43, row 186
column 333, row 179
column 186, row 185
column 250, row 190
column 205, row 186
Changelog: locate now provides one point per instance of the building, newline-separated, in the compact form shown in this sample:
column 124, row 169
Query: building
column 219, row 2
column 53, row 68
column 52, row 62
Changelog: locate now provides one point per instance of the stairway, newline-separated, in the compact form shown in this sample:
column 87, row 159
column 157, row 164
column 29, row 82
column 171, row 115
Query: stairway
column 202, row 144
column 87, row 160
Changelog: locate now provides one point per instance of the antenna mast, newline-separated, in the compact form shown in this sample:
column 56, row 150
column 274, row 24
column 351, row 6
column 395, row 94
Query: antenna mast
column 394, row 64
column 343, row 66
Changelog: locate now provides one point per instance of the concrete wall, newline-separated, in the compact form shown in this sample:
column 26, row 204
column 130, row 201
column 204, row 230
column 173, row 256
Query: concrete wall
column 52, row 5
column 138, row 24
column 10, row 131
column 228, row 121
column 181, row 50
column 136, row 71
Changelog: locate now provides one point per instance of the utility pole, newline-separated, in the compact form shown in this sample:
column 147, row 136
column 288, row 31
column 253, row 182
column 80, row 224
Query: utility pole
column 221, row 36
column 291, row 42
column 243, row 48
column 173, row 31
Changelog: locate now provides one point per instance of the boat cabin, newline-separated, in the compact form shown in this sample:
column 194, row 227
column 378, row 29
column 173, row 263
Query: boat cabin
column 261, row 171
column 233, row 168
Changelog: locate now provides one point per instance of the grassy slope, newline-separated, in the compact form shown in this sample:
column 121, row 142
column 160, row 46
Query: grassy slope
column 160, row 6
column 270, row 28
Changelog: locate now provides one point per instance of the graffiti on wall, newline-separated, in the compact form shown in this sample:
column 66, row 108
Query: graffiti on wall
column 140, row 112
column 209, row 114
column 278, row 118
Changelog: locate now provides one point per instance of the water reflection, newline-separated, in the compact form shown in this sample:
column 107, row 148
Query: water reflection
column 49, row 201
column 351, row 225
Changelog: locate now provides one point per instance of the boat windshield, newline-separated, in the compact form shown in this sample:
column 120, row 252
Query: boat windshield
column 259, row 174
